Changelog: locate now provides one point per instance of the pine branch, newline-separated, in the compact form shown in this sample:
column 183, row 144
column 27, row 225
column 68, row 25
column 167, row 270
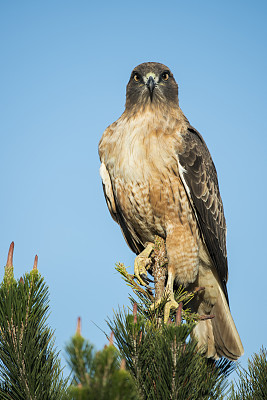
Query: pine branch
column 29, row 366
column 97, row 375
column 146, row 300
column 162, row 358
column 252, row 384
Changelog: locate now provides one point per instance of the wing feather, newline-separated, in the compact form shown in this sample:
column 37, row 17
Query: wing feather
column 129, row 234
column 201, row 183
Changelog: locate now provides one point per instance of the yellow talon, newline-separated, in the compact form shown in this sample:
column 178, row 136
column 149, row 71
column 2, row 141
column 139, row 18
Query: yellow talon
column 142, row 262
column 171, row 303
column 168, row 294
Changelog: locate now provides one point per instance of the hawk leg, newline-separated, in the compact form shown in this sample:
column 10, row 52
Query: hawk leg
column 142, row 263
column 168, row 294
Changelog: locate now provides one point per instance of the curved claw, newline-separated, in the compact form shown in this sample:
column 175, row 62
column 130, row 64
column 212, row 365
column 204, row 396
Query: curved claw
column 140, row 278
column 146, row 279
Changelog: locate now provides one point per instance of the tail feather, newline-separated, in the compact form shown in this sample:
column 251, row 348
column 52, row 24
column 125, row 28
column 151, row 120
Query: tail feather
column 217, row 337
column 226, row 337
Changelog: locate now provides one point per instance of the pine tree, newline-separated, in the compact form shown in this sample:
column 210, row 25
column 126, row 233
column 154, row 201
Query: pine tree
column 97, row 375
column 29, row 366
column 252, row 383
column 152, row 360
column 162, row 358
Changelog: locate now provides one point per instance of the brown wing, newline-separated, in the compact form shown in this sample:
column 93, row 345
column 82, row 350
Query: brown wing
column 116, row 213
column 201, row 183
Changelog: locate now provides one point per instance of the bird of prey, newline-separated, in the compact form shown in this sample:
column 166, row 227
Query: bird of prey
column 159, row 179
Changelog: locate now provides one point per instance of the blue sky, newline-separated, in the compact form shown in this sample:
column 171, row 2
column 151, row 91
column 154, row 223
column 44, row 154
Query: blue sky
column 64, row 68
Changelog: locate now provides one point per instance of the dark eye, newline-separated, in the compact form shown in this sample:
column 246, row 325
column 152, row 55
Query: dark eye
column 165, row 76
column 136, row 77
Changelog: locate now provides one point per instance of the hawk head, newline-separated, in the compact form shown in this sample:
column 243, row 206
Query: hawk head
column 151, row 83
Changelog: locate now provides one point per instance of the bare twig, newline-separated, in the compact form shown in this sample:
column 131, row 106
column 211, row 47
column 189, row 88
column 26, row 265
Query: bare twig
column 78, row 329
column 9, row 262
column 123, row 364
column 199, row 289
column 35, row 262
column 204, row 317
column 111, row 339
column 9, row 275
column 135, row 312
column 178, row 318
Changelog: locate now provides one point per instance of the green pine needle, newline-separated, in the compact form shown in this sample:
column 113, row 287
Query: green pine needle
column 29, row 365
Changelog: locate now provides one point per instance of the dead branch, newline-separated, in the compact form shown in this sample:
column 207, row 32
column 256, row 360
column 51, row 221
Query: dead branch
column 159, row 269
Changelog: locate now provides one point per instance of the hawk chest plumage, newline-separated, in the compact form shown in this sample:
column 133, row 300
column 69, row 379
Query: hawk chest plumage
column 140, row 156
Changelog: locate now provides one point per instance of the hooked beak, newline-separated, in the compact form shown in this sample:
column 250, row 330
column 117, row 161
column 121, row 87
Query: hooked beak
column 151, row 86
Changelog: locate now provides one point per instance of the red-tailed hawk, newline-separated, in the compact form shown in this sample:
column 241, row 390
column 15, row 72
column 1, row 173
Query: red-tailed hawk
column 159, row 179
